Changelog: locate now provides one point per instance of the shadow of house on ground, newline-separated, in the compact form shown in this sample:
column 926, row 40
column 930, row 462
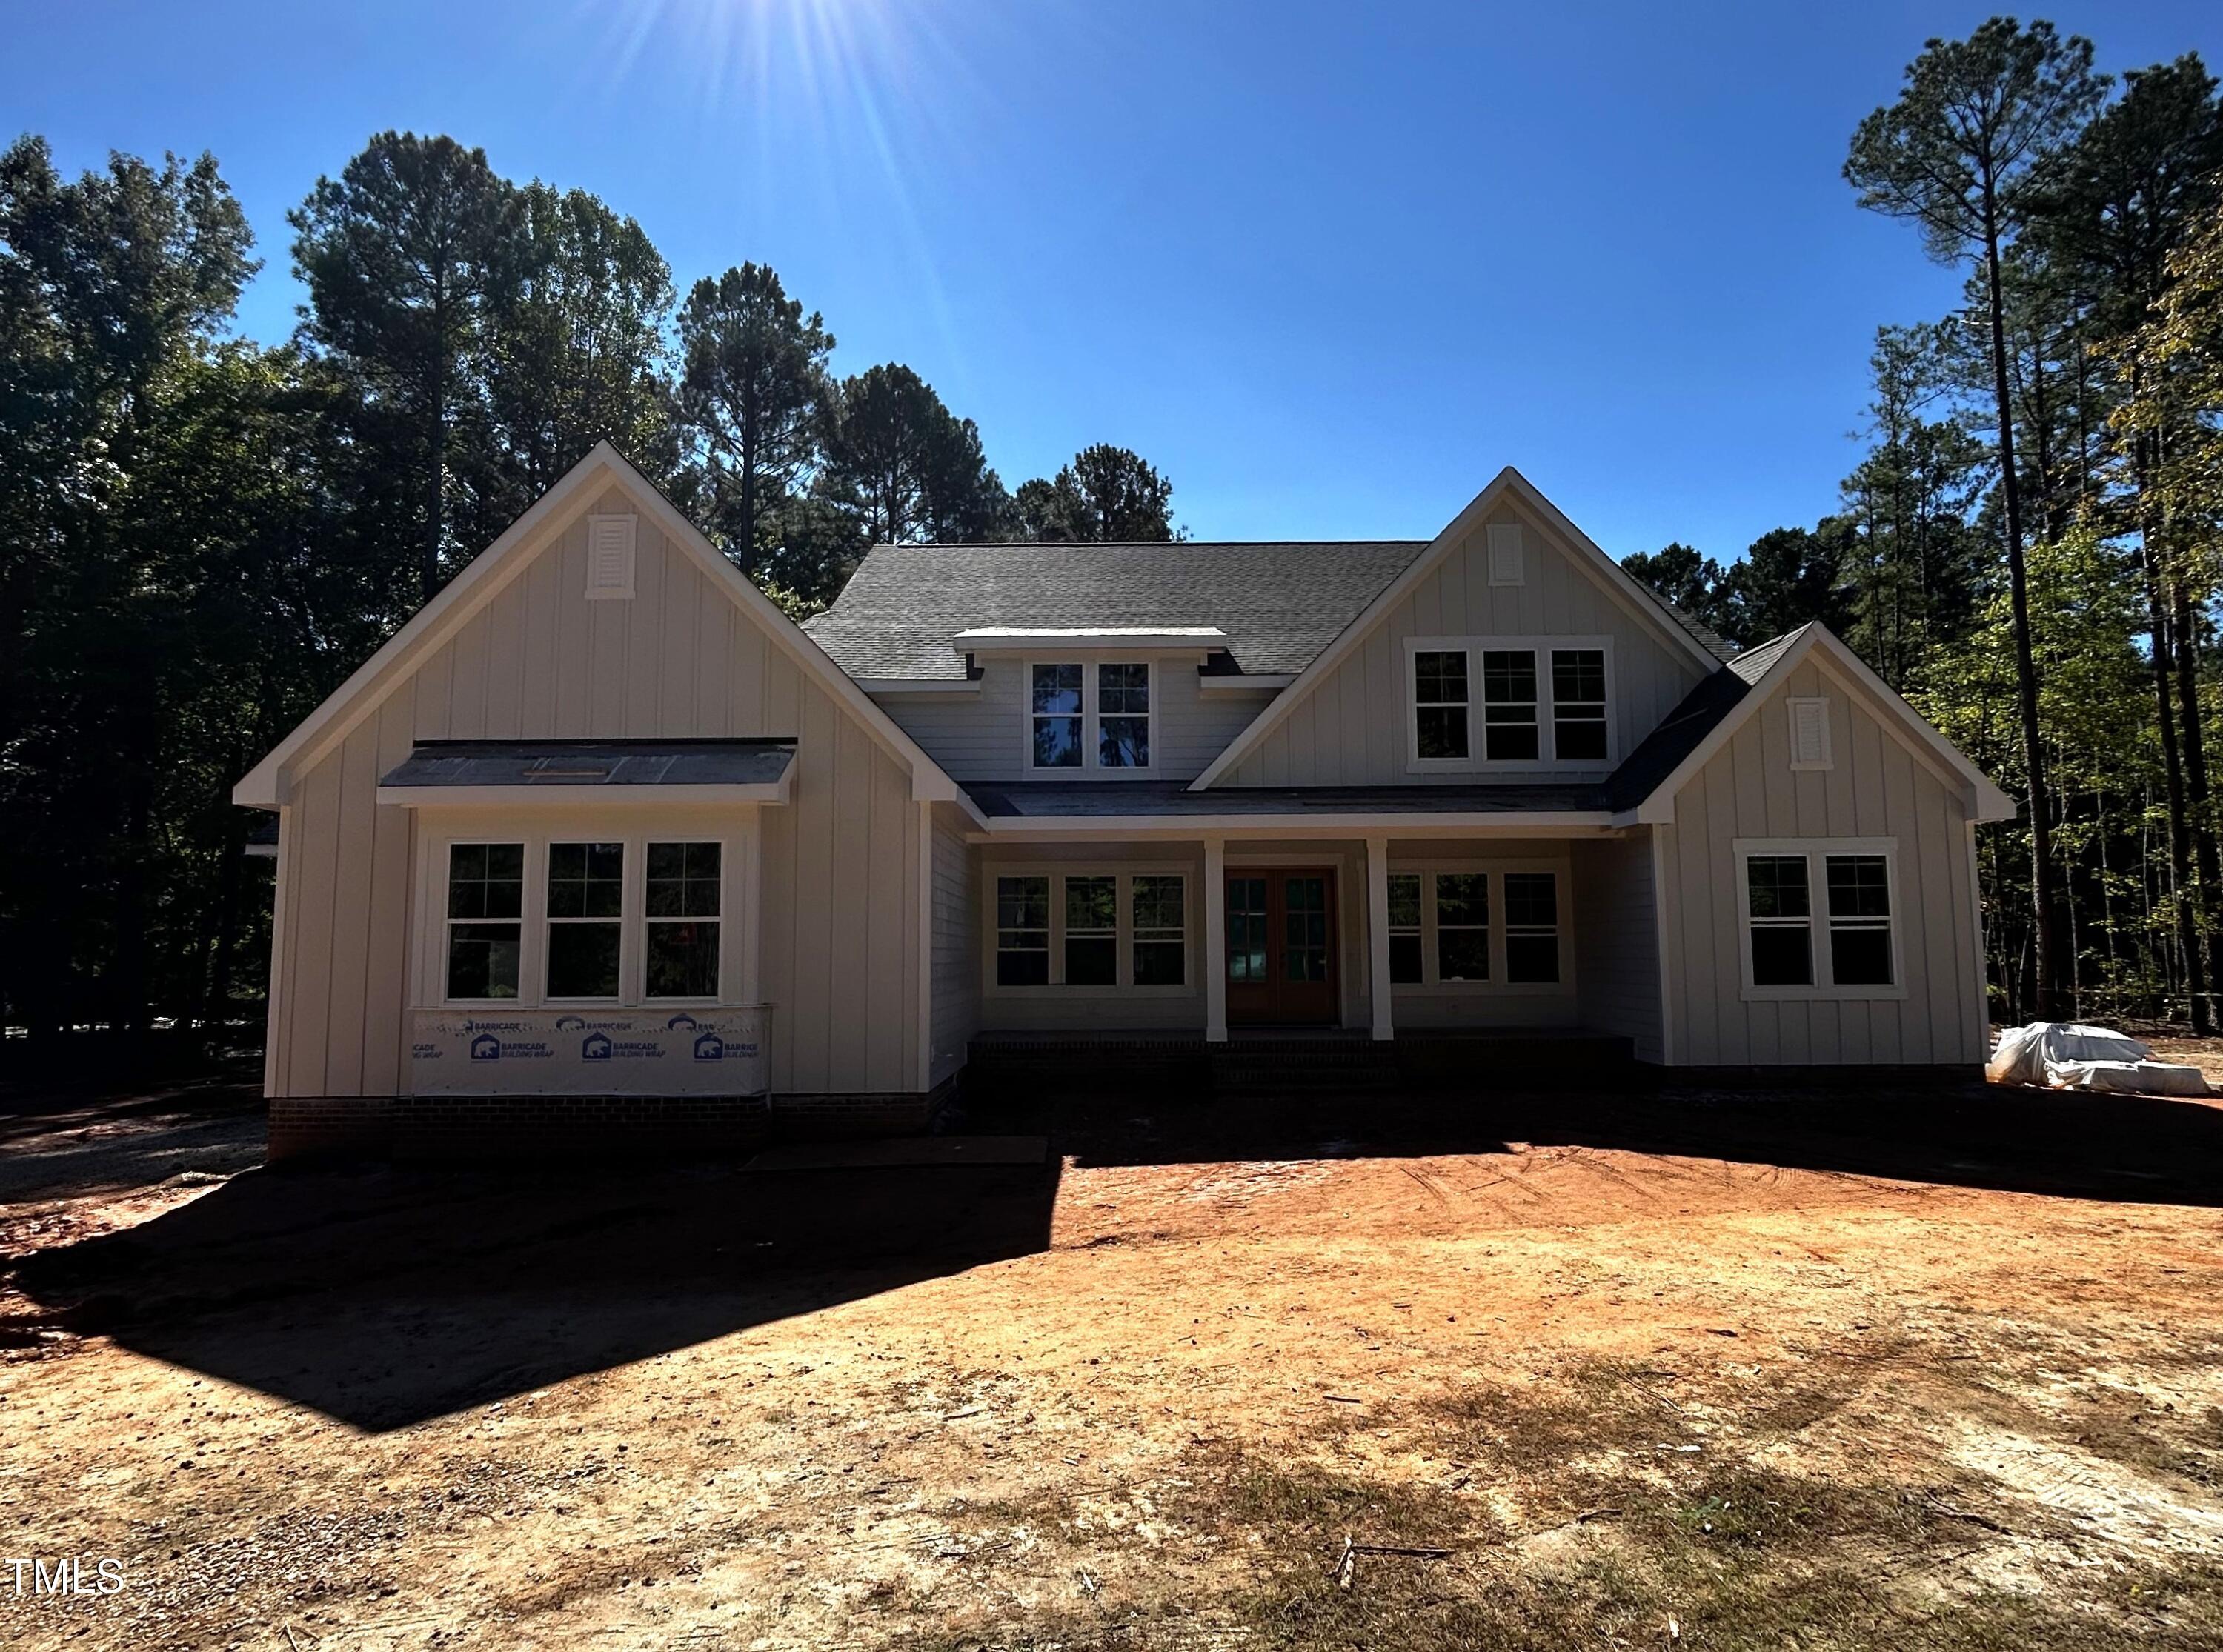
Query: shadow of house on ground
column 2132, row 1149
column 383, row 1296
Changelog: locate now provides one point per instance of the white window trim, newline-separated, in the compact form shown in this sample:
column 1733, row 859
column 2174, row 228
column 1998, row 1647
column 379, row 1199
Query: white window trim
column 1091, row 717
column 1126, row 873
column 1791, row 706
column 737, row 966
column 1498, row 986
column 1546, row 732
column 1815, row 851
column 630, row 903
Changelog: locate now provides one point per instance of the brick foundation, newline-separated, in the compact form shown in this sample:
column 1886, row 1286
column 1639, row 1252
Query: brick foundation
column 524, row 1127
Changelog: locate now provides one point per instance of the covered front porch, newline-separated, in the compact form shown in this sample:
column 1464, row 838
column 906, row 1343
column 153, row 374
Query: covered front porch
column 1462, row 939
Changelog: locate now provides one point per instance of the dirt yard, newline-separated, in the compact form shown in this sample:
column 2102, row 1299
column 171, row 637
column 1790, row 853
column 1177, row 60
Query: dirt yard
column 1686, row 1370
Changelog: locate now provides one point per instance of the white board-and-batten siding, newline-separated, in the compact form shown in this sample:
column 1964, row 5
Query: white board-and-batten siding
column 1352, row 729
column 1877, row 787
column 958, row 925
column 840, row 861
column 1617, row 939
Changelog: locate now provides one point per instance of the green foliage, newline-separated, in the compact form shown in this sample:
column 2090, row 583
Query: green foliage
column 1974, row 118
column 754, row 391
column 903, row 468
column 1106, row 495
column 199, row 539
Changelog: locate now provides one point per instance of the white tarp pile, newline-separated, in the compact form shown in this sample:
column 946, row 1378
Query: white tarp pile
column 2064, row 1055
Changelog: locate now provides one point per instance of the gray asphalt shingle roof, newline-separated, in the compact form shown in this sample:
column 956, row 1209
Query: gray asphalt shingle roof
column 1279, row 604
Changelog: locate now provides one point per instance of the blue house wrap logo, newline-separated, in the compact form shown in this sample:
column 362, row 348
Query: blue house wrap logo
column 570, row 1023
column 682, row 1021
column 710, row 1047
column 595, row 1046
column 486, row 1047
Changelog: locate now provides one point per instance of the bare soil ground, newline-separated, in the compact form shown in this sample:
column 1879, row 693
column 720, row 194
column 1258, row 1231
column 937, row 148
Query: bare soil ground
column 1689, row 1369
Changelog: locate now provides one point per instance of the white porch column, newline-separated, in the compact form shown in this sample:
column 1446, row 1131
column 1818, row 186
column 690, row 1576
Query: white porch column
column 1215, row 940
column 1377, row 935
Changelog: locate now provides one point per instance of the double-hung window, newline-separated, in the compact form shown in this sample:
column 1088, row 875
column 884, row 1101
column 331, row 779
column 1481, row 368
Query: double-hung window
column 1161, row 932
column 1476, row 928
column 1819, row 918
column 1088, row 716
column 586, row 918
column 1578, row 705
column 1023, row 932
column 1092, row 931
column 1544, row 702
column 1440, row 704
column 1406, row 966
column 1123, row 716
column 1532, row 926
column 1101, row 930
column 682, row 920
column 577, row 922
column 1056, row 716
column 486, row 919
column 1508, row 705
column 1462, row 926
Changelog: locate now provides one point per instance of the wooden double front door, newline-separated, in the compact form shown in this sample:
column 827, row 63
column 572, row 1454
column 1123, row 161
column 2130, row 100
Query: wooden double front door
column 1281, row 947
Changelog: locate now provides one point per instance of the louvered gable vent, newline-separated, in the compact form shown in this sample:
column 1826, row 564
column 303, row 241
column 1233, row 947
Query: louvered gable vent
column 1506, row 566
column 610, row 556
column 1810, row 734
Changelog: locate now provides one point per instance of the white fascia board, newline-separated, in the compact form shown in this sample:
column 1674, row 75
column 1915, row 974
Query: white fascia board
column 1018, row 639
column 588, row 796
column 919, row 685
column 1574, row 823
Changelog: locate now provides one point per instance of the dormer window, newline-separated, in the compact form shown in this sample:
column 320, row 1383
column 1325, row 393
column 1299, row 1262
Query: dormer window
column 1089, row 716
column 1057, row 716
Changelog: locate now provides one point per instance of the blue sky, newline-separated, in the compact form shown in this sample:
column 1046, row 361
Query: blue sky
column 1328, row 266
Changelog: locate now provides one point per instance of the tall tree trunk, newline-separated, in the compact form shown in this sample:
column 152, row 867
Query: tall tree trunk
column 2180, row 840
column 2044, row 920
column 436, row 479
column 2198, row 817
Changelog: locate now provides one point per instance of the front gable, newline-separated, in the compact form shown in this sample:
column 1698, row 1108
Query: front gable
column 518, row 645
column 1509, row 570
